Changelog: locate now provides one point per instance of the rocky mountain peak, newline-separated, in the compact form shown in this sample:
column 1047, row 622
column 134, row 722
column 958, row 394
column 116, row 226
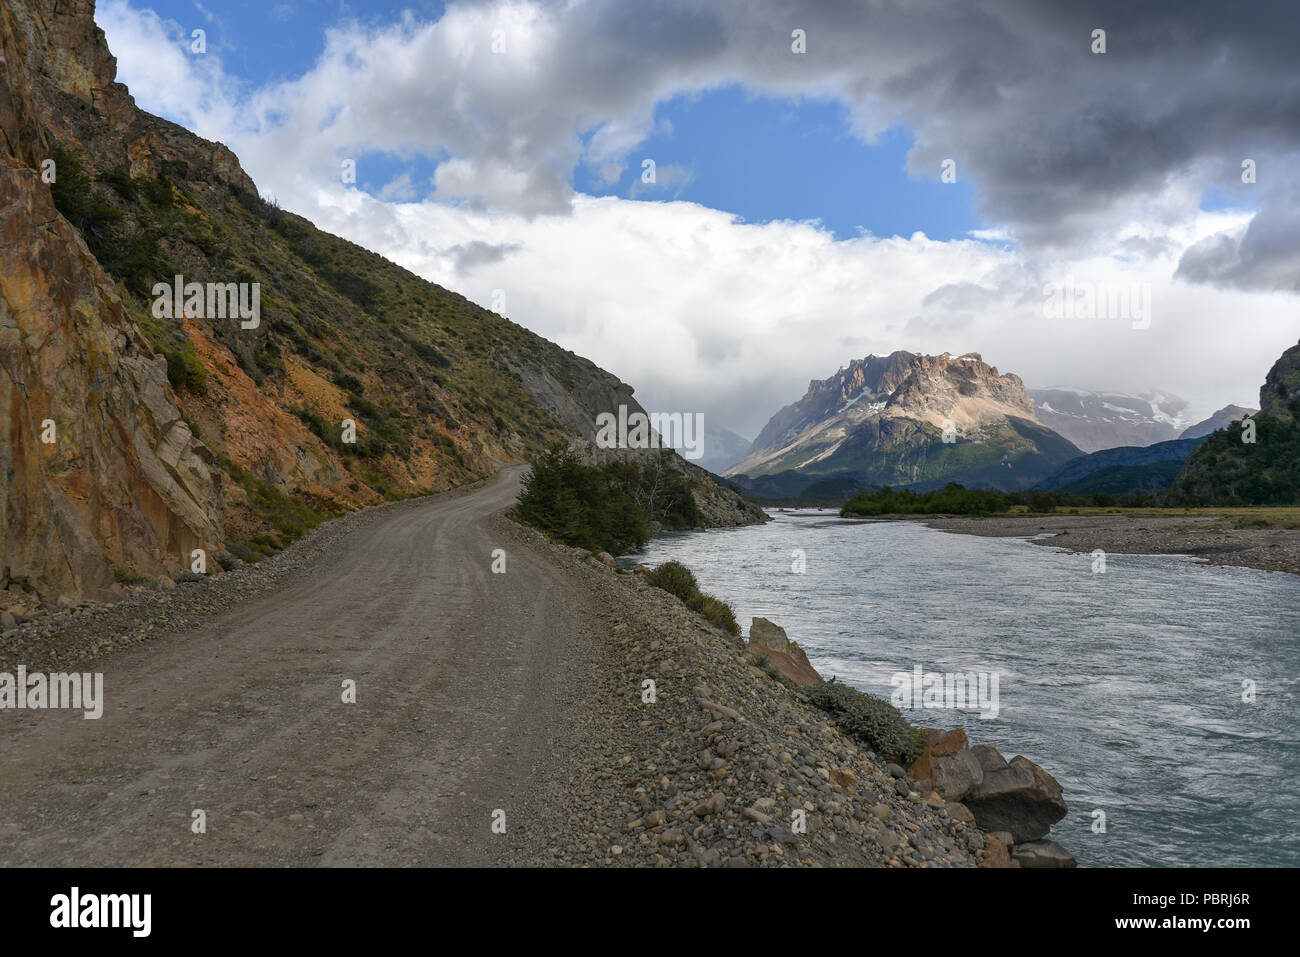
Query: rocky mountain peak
column 875, row 419
column 1282, row 384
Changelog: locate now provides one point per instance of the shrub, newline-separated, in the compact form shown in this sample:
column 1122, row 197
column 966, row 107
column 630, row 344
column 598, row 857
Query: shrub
column 871, row 720
column 127, row 577
column 185, row 369
column 717, row 611
column 676, row 579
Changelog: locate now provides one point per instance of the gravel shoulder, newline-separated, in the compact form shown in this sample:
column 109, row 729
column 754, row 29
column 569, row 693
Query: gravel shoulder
column 519, row 698
column 1206, row 537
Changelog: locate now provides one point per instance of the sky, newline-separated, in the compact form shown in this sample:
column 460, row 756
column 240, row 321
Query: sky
column 721, row 200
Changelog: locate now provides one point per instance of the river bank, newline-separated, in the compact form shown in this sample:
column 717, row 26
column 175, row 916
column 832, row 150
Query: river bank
column 1212, row 539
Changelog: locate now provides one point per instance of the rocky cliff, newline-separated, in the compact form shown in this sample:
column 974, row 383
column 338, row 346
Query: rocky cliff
column 910, row 419
column 135, row 433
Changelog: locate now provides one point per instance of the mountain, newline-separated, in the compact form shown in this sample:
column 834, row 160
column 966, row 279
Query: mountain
column 1147, row 468
column 1222, row 419
column 1107, row 420
column 1230, row 470
column 305, row 376
column 721, row 448
column 882, row 421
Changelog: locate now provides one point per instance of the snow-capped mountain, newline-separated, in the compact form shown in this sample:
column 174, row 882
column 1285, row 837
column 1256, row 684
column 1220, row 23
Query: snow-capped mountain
column 1107, row 420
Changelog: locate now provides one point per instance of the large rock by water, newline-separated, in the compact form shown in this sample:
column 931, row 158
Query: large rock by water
column 767, row 640
column 1016, row 796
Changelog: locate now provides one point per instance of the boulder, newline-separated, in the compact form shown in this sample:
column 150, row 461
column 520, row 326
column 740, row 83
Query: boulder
column 1042, row 854
column 1018, row 796
column 767, row 640
column 996, row 853
column 946, row 764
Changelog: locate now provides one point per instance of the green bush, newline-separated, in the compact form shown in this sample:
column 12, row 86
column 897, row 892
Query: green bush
column 718, row 612
column 127, row 577
column 185, row 370
column 587, row 506
column 871, row 720
column 676, row 579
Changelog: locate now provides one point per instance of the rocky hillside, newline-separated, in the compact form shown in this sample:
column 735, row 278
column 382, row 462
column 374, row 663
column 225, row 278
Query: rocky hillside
column 882, row 421
column 1229, row 469
column 139, row 427
column 1108, row 420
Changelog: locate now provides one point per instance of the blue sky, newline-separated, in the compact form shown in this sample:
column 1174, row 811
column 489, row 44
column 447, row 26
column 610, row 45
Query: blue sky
column 763, row 158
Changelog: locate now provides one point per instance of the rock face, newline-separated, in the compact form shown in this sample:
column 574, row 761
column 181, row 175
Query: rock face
column 946, row 765
column 99, row 468
column 882, row 421
column 123, row 481
column 1016, row 796
column 1042, row 854
column 770, row 641
column 1282, row 385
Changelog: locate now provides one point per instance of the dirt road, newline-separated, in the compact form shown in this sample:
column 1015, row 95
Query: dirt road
column 464, row 687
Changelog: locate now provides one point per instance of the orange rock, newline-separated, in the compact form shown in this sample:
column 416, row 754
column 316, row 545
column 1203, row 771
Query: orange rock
column 770, row 641
column 937, row 744
column 996, row 853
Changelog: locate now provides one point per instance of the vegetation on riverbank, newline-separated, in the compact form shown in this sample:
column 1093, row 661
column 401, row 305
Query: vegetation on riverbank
column 955, row 500
column 952, row 499
column 871, row 720
column 676, row 579
column 611, row 507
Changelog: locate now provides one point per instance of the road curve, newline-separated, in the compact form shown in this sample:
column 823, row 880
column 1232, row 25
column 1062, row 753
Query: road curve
column 464, row 688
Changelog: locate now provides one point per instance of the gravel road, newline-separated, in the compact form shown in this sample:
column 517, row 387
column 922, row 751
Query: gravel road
column 522, row 693
column 463, row 678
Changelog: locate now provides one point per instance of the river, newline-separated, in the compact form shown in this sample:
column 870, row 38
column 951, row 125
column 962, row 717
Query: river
column 1129, row 686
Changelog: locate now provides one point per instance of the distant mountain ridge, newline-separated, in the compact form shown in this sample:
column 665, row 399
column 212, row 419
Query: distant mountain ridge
column 1104, row 420
column 883, row 420
column 1118, row 470
column 1221, row 419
